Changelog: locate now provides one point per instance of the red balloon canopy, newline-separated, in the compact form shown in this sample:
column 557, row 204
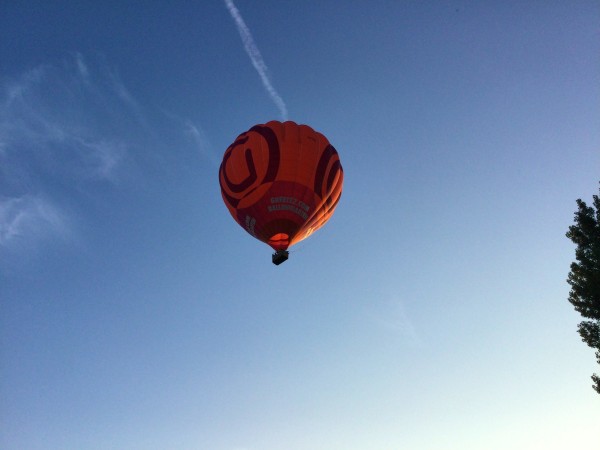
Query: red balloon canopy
column 281, row 182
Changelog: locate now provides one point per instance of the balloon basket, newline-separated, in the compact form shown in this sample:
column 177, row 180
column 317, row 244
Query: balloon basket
column 280, row 256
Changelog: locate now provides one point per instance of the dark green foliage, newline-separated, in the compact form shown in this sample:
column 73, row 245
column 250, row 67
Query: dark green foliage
column 584, row 277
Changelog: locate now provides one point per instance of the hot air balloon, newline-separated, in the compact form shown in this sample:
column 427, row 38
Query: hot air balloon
column 281, row 182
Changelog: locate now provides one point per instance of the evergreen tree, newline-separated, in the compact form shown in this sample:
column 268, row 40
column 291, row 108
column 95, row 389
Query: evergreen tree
column 584, row 277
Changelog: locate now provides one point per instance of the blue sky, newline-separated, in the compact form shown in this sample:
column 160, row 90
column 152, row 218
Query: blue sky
column 430, row 313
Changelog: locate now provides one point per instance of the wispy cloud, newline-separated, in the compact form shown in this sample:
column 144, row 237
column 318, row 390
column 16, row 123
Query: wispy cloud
column 197, row 134
column 125, row 96
column 256, row 58
column 194, row 134
column 49, row 122
column 29, row 217
column 68, row 126
column 82, row 67
column 101, row 158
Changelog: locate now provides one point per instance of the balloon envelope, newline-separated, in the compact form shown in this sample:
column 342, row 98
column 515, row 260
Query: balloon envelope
column 281, row 182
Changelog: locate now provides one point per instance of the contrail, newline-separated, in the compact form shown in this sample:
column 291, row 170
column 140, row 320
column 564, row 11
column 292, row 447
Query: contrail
column 256, row 58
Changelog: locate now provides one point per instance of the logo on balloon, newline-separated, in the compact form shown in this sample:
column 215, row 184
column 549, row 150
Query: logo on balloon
column 235, row 192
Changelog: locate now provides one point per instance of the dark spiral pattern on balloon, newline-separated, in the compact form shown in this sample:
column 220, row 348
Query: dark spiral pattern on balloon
column 319, row 188
column 272, row 166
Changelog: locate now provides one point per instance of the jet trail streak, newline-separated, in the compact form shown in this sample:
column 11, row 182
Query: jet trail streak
column 256, row 58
